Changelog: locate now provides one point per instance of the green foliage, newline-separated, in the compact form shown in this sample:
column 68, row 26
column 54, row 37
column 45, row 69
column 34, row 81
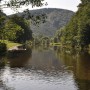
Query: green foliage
column 15, row 29
column 85, row 1
column 41, row 40
column 59, row 34
column 19, row 3
column 3, row 48
column 2, row 22
column 10, row 44
column 77, row 32
column 2, row 18
column 45, row 40
column 10, row 30
column 56, row 18
column 24, row 24
column 15, row 4
column 27, row 45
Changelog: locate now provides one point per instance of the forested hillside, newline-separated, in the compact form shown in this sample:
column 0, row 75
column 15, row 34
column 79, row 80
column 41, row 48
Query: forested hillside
column 56, row 18
column 77, row 32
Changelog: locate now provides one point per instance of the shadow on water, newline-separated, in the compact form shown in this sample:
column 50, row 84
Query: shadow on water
column 19, row 58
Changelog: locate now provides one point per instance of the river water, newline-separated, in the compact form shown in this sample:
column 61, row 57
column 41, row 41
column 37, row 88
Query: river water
column 46, row 68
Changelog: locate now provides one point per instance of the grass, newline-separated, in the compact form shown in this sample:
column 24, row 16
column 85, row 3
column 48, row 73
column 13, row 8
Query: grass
column 55, row 44
column 10, row 44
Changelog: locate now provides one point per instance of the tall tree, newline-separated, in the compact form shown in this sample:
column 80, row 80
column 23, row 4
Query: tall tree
column 77, row 32
column 25, row 25
column 11, row 29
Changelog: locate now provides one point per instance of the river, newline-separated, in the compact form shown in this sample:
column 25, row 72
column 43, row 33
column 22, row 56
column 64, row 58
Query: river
column 46, row 68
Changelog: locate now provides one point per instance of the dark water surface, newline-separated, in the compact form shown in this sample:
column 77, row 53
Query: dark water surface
column 46, row 69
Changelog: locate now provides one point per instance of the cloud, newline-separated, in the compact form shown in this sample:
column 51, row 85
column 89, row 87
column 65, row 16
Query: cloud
column 64, row 4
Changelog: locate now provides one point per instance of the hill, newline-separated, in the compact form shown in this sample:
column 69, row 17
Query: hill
column 56, row 18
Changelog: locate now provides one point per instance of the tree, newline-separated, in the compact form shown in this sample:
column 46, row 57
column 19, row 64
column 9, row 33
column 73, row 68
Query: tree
column 24, row 24
column 2, row 22
column 15, row 4
column 10, row 30
column 77, row 32
column 15, row 28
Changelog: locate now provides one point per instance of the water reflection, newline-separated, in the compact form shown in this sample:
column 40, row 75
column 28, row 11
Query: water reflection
column 83, row 72
column 43, row 68
column 19, row 59
column 9, row 64
column 79, row 63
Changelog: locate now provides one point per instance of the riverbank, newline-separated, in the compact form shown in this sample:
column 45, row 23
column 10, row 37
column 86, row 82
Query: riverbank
column 55, row 44
column 10, row 44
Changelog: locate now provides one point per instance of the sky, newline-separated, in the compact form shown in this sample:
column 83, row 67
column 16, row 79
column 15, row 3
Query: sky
column 62, row 4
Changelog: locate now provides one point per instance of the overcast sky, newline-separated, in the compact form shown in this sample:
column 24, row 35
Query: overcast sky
column 64, row 4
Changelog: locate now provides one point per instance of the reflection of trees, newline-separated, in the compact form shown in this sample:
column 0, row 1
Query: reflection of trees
column 45, row 41
column 19, row 61
column 83, row 66
column 42, row 60
column 45, row 61
column 19, row 58
column 45, row 65
column 41, row 48
column 79, row 63
column 83, row 72
column 2, row 62
column 42, row 65
column 3, row 86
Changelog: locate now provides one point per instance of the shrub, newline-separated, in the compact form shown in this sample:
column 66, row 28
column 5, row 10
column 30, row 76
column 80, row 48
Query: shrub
column 3, row 48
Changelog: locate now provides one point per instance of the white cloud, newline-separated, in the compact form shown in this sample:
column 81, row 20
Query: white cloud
column 64, row 4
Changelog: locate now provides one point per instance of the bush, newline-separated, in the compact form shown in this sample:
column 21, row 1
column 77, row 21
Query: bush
column 3, row 48
column 27, row 45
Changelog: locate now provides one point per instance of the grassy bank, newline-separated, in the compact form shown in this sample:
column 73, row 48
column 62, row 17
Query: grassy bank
column 9, row 44
column 55, row 44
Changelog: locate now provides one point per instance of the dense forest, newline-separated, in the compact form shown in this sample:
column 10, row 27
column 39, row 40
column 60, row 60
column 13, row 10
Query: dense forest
column 21, row 28
column 56, row 18
column 15, row 29
column 77, row 32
